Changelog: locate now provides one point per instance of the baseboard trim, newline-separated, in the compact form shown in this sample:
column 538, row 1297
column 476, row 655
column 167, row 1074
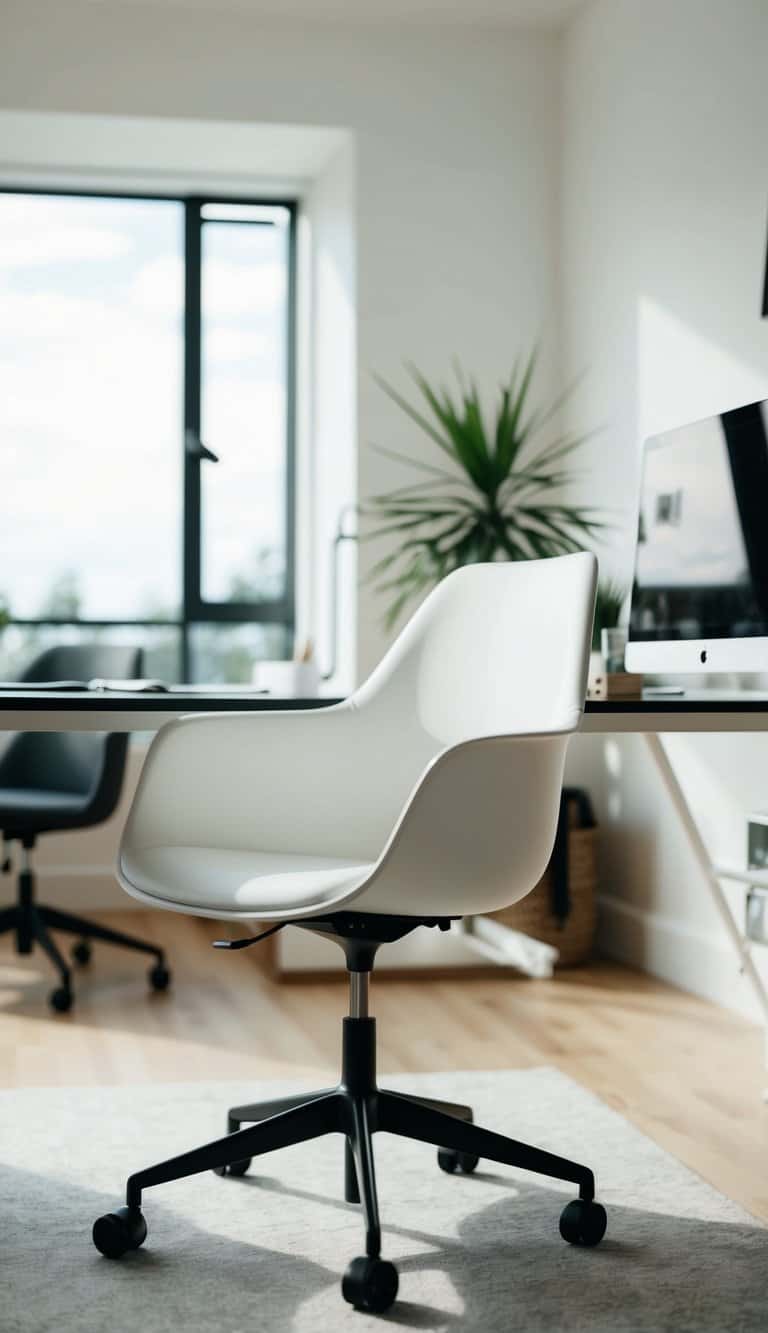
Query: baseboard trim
column 479, row 972
column 76, row 889
column 692, row 959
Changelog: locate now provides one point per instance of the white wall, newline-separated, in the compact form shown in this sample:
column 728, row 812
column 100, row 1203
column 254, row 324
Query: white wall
column 328, row 463
column 455, row 141
column 664, row 208
column 437, row 216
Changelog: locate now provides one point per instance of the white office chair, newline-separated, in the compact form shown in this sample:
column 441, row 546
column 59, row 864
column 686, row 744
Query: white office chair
column 432, row 793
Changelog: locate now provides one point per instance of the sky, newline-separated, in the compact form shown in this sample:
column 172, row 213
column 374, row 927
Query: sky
column 91, row 399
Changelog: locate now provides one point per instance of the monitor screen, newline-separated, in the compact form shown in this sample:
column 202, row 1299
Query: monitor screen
column 701, row 569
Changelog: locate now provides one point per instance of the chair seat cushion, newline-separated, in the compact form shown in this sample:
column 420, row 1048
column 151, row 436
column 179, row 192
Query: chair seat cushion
column 36, row 807
column 217, row 881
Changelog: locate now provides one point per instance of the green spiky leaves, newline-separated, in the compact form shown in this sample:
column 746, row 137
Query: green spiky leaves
column 496, row 497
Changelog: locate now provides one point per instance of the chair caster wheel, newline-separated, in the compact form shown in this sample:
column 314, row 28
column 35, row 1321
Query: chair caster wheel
column 448, row 1159
column 81, row 952
column 234, row 1168
column 159, row 977
column 370, row 1284
column 115, row 1233
column 61, row 999
column 583, row 1222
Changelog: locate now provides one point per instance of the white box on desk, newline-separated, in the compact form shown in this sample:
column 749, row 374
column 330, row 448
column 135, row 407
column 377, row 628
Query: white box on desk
column 290, row 680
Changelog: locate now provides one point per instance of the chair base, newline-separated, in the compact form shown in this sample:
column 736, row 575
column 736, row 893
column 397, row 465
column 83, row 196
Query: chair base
column 32, row 924
column 356, row 1109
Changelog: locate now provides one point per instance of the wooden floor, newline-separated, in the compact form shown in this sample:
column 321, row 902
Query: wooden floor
column 687, row 1073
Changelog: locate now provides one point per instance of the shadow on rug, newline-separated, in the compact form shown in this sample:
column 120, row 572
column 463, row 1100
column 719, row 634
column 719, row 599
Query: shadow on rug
column 266, row 1251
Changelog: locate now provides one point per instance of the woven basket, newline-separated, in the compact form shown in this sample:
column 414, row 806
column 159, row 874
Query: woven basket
column 533, row 915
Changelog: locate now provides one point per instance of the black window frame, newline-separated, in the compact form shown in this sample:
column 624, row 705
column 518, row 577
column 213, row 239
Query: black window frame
column 195, row 610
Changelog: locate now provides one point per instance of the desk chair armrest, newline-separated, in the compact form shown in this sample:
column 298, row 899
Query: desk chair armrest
column 453, row 854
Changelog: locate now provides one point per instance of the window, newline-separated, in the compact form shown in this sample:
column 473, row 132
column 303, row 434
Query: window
column 140, row 340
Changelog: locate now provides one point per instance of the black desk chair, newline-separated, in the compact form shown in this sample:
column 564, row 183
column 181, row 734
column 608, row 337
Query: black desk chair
column 52, row 781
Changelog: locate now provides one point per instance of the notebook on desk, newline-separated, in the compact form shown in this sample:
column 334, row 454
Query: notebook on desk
column 139, row 686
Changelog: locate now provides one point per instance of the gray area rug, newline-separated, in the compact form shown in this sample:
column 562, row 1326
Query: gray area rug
column 266, row 1252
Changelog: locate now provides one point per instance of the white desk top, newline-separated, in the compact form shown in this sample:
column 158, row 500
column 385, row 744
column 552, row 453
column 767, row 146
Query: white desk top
column 691, row 710
column 38, row 710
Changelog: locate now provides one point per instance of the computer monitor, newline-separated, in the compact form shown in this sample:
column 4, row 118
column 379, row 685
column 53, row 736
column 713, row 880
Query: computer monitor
column 700, row 590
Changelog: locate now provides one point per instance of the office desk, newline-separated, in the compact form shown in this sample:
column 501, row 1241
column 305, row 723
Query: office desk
column 97, row 710
column 651, row 717
column 695, row 710
column 107, row 710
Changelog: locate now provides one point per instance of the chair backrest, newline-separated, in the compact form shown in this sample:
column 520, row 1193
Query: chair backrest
column 429, row 753
column 84, row 661
column 89, row 763
column 490, row 675
column 496, row 649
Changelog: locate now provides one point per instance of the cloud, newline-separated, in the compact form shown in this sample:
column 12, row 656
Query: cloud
column 231, row 290
column 34, row 231
column 228, row 344
column 90, row 397
column 103, row 419
column 158, row 286
column 246, row 419
column 90, row 408
column 51, row 314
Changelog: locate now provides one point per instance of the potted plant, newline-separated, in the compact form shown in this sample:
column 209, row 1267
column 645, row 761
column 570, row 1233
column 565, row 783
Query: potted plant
column 609, row 605
column 608, row 647
column 497, row 495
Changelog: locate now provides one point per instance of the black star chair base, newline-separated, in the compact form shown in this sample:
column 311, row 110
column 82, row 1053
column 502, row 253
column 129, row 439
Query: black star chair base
column 357, row 1108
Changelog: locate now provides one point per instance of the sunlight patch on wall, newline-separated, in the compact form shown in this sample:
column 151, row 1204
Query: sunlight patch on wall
column 681, row 375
